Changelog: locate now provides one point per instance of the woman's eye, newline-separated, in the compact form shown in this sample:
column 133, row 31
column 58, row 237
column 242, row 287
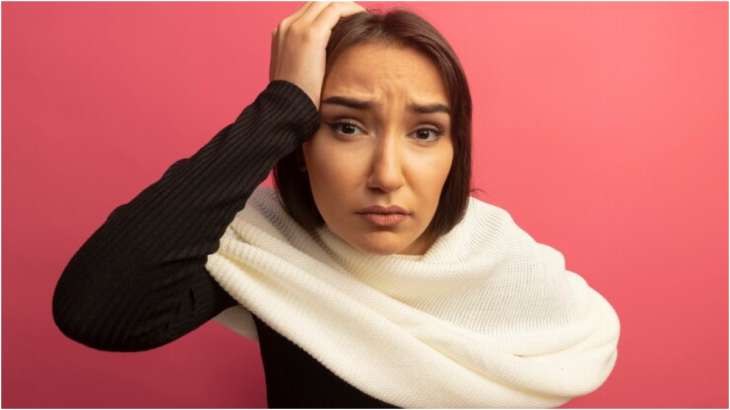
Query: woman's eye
column 436, row 133
column 348, row 128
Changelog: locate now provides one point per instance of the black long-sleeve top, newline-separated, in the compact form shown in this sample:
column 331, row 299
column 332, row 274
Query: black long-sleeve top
column 140, row 282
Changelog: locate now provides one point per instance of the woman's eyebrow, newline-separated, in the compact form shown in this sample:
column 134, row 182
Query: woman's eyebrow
column 367, row 105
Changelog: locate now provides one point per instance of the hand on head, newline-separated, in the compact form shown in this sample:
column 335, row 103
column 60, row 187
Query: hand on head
column 298, row 44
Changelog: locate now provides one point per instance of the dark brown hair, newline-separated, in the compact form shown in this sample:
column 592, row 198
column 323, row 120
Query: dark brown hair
column 404, row 28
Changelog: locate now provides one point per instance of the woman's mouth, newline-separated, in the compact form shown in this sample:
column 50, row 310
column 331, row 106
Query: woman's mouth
column 384, row 219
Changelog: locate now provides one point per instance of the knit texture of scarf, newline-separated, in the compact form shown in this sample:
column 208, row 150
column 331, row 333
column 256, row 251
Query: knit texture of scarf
column 487, row 317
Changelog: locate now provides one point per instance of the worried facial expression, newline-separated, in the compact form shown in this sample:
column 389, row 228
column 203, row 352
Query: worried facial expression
column 384, row 140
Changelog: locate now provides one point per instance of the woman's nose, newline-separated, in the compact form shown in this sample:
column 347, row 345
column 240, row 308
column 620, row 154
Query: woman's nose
column 386, row 172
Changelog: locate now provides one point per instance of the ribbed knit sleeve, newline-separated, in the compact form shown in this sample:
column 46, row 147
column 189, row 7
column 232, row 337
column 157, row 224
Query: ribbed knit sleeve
column 139, row 281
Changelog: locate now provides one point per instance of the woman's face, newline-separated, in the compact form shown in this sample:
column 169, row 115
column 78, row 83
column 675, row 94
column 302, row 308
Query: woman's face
column 391, row 154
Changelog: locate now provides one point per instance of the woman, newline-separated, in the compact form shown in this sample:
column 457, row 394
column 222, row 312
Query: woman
column 369, row 276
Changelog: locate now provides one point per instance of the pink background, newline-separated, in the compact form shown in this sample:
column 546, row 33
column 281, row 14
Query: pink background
column 601, row 127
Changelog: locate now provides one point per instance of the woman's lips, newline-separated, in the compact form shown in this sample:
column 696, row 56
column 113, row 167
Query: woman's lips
column 384, row 219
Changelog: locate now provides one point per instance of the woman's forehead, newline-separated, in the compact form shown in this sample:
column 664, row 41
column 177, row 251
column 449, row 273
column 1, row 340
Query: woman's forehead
column 379, row 73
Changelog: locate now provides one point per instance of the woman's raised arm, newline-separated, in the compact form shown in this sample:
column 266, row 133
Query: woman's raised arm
column 140, row 281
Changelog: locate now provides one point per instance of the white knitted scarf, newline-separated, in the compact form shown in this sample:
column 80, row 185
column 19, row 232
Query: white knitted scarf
column 487, row 317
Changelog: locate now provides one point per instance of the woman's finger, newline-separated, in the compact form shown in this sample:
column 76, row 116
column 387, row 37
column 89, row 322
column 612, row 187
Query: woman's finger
column 286, row 22
column 306, row 18
column 301, row 10
column 329, row 16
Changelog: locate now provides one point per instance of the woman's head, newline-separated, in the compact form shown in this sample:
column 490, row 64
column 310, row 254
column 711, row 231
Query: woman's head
column 385, row 153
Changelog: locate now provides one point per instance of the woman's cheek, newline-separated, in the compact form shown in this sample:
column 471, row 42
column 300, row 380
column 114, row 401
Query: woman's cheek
column 337, row 163
column 327, row 161
column 433, row 164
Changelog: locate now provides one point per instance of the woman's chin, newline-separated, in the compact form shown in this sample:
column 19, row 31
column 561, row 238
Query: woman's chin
column 389, row 243
column 381, row 244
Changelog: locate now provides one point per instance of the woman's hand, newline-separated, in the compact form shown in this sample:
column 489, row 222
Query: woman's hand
column 298, row 44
